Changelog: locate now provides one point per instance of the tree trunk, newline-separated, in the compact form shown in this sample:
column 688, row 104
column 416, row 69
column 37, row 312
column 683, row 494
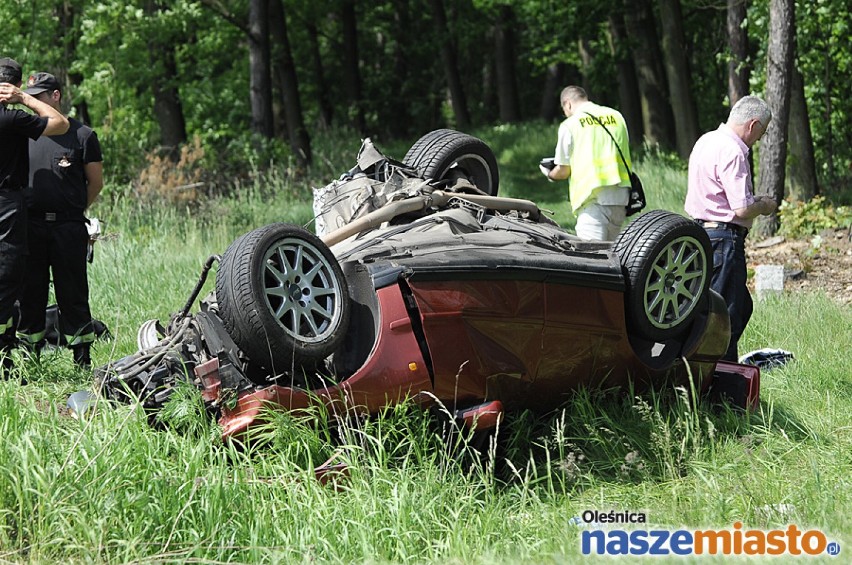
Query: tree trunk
column 739, row 66
column 504, row 59
column 167, row 104
column 677, row 73
column 351, row 66
column 285, row 76
column 65, row 13
column 628, row 87
column 550, row 108
column 656, row 112
column 451, row 68
column 260, row 83
column 773, row 148
column 398, row 119
column 489, row 89
column 584, row 50
column 326, row 108
column 168, row 109
column 801, row 167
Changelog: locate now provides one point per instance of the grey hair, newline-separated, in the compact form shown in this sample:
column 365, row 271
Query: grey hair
column 573, row 93
column 750, row 108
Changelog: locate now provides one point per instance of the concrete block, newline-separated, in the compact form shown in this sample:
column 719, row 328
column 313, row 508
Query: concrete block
column 768, row 279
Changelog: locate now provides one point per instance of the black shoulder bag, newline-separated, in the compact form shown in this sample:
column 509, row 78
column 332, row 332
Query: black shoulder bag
column 637, row 194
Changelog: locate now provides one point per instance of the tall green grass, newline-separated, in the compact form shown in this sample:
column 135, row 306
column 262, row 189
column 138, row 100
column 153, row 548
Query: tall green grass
column 113, row 488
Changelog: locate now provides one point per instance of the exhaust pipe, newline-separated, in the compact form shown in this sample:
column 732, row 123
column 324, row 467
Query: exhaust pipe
column 416, row 203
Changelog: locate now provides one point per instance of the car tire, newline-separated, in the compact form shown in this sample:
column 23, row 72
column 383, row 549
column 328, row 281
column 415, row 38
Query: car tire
column 447, row 154
column 667, row 263
column 282, row 298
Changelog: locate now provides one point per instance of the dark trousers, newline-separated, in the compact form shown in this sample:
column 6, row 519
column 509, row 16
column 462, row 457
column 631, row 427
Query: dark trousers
column 13, row 248
column 59, row 247
column 729, row 280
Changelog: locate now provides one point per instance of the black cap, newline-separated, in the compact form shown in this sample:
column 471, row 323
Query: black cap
column 41, row 82
column 10, row 70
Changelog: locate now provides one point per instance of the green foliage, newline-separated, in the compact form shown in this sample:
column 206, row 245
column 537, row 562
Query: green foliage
column 300, row 440
column 184, row 413
column 705, row 30
column 403, row 79
column 825, row 60
column 824, row 57
column 799, row 219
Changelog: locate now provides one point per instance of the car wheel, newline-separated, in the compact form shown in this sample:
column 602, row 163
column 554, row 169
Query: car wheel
column 282, row 297
column 666, row 260
column 447, row 154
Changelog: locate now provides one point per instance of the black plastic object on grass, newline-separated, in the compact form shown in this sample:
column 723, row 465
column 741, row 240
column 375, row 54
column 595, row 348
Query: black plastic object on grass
column 767, row 358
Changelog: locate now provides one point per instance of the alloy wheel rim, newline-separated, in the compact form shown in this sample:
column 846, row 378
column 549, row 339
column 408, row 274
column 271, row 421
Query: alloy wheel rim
column 675, row 282
column 300, row 290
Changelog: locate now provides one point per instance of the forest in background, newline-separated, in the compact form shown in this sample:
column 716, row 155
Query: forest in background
column 196, row 93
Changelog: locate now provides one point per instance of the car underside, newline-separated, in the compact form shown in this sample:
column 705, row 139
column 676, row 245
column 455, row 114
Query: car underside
column 421, row 283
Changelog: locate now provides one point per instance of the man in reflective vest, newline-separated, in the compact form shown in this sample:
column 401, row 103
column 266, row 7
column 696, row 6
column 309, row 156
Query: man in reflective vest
column 588, row 155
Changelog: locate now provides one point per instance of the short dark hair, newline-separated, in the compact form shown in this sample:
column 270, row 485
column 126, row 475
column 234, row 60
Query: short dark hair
column 10, row 71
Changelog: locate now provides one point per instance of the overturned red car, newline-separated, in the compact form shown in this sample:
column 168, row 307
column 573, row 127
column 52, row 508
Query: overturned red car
column 422, row 283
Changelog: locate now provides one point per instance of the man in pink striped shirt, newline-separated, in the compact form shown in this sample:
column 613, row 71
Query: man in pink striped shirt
column 720, row 197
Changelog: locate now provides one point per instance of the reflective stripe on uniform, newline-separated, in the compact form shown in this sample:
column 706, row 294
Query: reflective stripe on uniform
column 80, row 339
column 31, row 339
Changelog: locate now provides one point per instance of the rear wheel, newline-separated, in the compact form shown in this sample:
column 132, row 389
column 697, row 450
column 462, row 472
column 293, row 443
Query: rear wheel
column 666, row 260
column 282, row 297
column 450, row 155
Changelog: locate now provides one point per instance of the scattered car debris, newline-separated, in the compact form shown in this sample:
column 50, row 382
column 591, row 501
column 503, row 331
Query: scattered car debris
column 767, row 358
column 81, row 403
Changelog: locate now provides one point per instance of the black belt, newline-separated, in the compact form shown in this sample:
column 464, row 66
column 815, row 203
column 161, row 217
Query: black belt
column 56, row 216
column 736, row 228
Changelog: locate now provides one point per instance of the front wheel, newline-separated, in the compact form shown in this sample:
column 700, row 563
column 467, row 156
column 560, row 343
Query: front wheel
column 282, row 297
column 666, row 260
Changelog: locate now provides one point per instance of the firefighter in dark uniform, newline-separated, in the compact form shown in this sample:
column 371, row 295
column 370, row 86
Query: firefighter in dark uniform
column 17, row 127
column 66, row 175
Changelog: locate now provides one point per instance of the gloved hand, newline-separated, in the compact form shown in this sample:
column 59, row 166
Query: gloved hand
column 545, row 166
column 93, row 225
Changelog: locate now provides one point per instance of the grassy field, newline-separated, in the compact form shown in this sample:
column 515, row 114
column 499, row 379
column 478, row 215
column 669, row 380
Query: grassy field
column 112, row 488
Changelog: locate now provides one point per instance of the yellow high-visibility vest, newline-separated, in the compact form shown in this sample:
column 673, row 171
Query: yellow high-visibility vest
column 594, row 159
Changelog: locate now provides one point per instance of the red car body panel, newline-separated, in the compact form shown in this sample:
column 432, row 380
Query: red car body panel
column 510, row 341
column 394, row 371
column 519, row 335
column 747, row 374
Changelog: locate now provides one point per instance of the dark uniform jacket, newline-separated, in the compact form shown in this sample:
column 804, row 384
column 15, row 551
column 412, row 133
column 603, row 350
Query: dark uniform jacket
column 57, row 177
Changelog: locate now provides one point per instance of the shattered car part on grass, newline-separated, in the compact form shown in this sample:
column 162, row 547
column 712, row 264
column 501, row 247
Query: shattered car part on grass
column 433, row 288
column 767, row 358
